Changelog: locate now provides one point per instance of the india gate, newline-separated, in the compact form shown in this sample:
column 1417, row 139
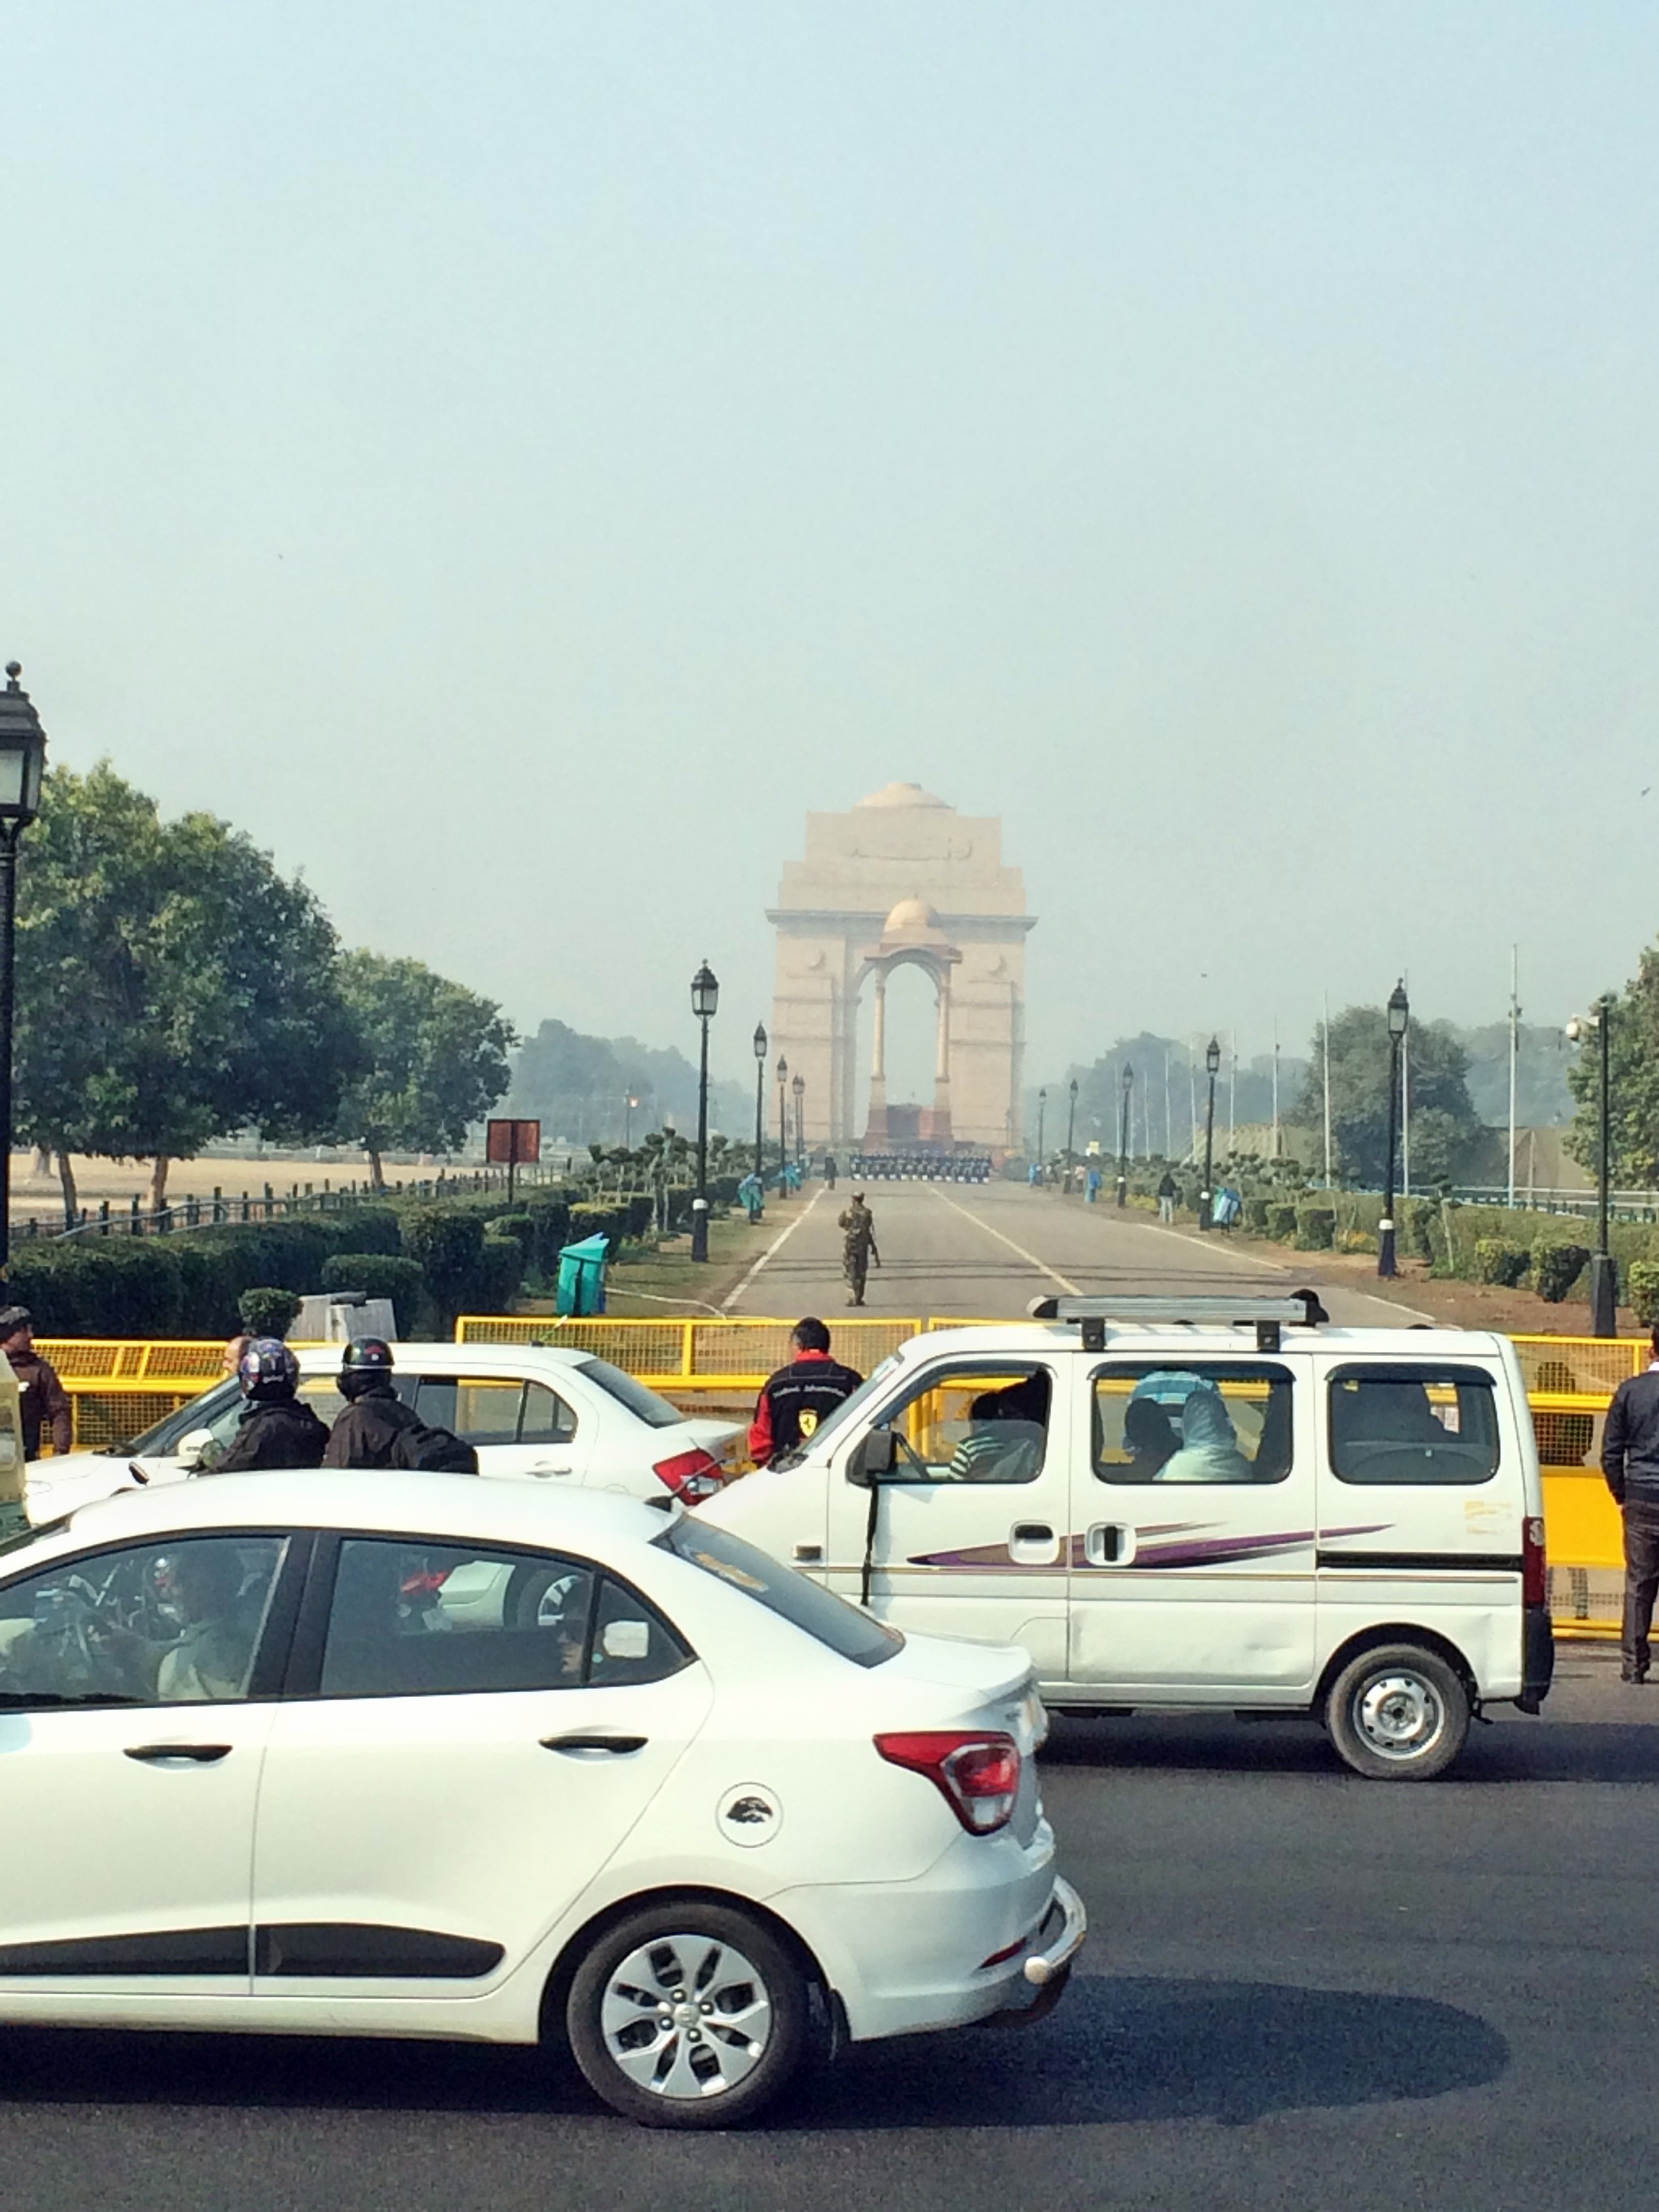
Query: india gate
column 903, row 879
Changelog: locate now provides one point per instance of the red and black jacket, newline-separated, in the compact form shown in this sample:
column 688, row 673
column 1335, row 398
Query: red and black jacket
column 794, row 1401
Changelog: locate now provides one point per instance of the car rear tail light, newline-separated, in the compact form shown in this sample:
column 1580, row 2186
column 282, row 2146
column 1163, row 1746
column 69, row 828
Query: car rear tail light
column 976, row 1772
column 691, row 1475
column 1535, row 1566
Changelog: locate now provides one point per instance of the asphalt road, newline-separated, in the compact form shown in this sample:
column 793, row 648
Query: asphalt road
column 1302, row 1990
column 986, row 1251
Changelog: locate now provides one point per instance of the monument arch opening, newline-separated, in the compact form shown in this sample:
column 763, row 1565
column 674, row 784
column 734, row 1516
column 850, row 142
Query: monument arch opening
column 903, row 882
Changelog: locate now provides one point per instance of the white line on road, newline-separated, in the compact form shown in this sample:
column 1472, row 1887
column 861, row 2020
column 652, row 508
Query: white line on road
column 1030, row 1258
column 771, row 1251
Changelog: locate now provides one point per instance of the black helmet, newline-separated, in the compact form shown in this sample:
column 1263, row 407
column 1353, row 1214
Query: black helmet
column 267, row 1369
column 365, row 1365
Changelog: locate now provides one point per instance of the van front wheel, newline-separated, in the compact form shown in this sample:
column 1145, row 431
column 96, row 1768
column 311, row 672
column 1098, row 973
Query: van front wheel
column 1398, row 1714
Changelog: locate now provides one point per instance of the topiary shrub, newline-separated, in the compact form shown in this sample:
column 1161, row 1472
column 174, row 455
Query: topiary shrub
column 518, row 1226
column 1315, row 1228
column 1556, row 1268
column 1255, row 1216
column 1281, row 1224
column 446, row 1245
column 498, row 1275
column 1642, row 1289
column 1359, row 1240
column 382, row 1275
column 268, row 1310
column 1499, row 1259
column 1417, row 1221
column 369, row 1229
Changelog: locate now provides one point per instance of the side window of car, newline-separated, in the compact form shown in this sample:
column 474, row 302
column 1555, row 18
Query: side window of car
column 418, row 1619
column 322, row 1394
column 177, row 1623
column 1412, row 1423
column 546, row 1419
column 483, row 1410
column 1216, row 1420
column 979, row 1423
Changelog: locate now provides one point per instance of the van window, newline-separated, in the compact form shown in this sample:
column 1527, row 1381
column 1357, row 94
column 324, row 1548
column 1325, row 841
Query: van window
column 1215, row 1421
column 1412, row 1423
column 984, row 1423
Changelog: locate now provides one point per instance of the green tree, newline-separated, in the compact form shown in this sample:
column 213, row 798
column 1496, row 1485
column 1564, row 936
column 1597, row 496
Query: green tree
column 432, row 1057
column 1443, row 1119
column 1633, row 1088
column 172, row 985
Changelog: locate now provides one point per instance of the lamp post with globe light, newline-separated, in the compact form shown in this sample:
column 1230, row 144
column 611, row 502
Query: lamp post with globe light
column 1400, row 1014
column 798, row 1088
column 1207, row 1196
column 1604, row 1275
column 22, row 765
column 705, row 997
column 1123, row 1137
column 760, row 1103
column 1071, row 1129
column 783, row 1123
column 1043, row 1108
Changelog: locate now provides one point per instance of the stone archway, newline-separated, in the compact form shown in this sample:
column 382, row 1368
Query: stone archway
column 901, row 879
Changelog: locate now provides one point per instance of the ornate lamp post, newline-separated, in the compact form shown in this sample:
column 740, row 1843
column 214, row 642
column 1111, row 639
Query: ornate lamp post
column 1207, row 1197
column 760, row 1103
column 705, row 997
column 1400, row 1014
column 783, row 1120
column 629, row 1101
column 798, row 1087
column 1071, row 1129
column 22, row 763
column 1123, row 1137
column 1604, row 1275
column 1043, row 1108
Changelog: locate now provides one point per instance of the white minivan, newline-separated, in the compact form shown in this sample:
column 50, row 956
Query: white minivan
column 1180, row 1502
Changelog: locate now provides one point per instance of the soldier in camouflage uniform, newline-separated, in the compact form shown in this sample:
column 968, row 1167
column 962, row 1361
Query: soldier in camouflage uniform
column 857, row 1228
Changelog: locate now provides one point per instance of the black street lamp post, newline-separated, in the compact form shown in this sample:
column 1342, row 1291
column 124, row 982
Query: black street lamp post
column 783, row 1123
column 760, row 1104
column 1604, row 1273
column 1071, row 1128
column 797, row 1086
column 705, row 997
column 22, row 762
column 1043, row 1108
column 1207, row 1196
column 1123, row 1137
column 1400, row 1014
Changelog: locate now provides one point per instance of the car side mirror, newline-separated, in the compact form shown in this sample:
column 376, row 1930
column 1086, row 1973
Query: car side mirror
column 874, row 1459
column 194, row 1449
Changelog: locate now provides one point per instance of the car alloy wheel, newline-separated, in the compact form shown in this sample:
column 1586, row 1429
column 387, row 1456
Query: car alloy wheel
column 690, row 2015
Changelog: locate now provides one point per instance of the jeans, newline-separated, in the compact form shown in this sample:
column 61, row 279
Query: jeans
column 1166, row 1209
column 1641, row 1578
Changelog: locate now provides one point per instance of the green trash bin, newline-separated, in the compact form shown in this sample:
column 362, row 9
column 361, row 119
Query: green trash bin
column 581, row 1276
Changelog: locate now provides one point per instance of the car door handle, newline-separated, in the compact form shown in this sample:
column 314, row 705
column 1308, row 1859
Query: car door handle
column 1033, row 1544
column 198, row 1754
column 1108, row 1544
column 614, row 1747
column 545, row 1469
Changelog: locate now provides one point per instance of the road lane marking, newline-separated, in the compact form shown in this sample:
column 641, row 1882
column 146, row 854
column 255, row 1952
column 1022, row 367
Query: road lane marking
column 1030, row 1258
column 771, row 1251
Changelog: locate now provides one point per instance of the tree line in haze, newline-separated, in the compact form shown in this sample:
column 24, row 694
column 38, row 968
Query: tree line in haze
column 174, row 988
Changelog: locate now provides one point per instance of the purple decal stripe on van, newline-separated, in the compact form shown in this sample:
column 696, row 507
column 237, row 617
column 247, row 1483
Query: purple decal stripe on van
column 1200, row 1552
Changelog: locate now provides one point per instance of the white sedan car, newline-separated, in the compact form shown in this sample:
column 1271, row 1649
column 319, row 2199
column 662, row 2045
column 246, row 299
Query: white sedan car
column 406, row 1756
column 558, row 1415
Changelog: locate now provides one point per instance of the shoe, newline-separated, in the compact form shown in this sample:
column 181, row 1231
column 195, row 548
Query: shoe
column 1629, row 1674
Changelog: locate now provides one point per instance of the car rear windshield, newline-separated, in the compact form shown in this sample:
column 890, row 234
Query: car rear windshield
column 825, row 1617
column 656, row 1413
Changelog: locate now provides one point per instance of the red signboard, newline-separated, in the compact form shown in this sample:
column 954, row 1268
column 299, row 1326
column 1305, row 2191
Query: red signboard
column 512, row 1144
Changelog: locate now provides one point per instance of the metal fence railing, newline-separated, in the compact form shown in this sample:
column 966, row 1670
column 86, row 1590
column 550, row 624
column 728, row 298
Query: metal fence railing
column 118, row 1388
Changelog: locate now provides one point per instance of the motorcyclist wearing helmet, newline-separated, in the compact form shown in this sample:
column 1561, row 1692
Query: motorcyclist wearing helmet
column 276, row 1429
column 365, row 1433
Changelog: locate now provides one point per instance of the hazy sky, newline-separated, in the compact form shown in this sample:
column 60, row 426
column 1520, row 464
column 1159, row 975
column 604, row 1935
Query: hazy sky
column 514, row 459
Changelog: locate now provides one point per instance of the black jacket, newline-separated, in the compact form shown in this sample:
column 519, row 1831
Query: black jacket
column 794, row 1401
column 364, row 1434
column 279, row 1433
column 1630, row 1442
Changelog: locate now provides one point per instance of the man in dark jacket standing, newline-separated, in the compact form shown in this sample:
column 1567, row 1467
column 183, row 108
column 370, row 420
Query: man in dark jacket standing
column 275, row 1430
column 1630, row 1460
column 798, row 1397
column 375, row 1416
column 44, row 1397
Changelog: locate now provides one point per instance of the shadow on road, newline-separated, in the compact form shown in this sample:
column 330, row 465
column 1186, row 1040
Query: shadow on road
column 1508, row 1751
column 1114, row 2051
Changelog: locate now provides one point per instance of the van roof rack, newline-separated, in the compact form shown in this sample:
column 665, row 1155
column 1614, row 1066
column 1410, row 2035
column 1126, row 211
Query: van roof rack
column 1298, row 1308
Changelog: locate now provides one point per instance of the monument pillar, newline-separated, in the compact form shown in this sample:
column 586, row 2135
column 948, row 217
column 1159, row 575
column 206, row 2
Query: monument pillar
column 937, row 1128
column 875, row 1134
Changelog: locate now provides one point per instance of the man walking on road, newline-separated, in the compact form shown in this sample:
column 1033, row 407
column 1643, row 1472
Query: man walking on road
column 1630, row 1460
column 798, row 1397
column 1167, row 1190
column 857, row 1228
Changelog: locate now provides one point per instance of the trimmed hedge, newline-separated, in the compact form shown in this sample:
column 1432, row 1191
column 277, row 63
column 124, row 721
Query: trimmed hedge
column 267, row 1310
column 1642, row 1289
column 1500, row 1259
column 1315, row 1228
column 1556, row 1268
column 382, row 1275
column 1281, row 1224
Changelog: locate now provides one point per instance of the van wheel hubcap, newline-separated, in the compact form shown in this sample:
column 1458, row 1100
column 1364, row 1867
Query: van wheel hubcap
column 686, row 2016
column 1399, row 1716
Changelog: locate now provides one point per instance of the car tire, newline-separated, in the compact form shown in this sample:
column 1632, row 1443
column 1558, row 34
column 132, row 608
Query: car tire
column 690, row 2015
column 1398, row 1714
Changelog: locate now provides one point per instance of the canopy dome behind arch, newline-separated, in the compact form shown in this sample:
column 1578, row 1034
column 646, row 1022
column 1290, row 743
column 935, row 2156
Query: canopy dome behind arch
column 904, row 794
